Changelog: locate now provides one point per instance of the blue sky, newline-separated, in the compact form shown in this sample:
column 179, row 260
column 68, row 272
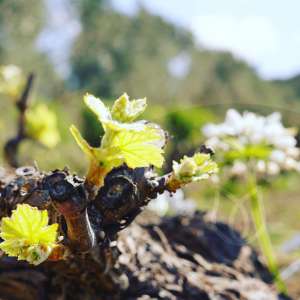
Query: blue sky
column 265, row 33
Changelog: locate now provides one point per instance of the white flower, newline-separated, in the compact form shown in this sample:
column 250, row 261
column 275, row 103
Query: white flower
column 290, row 164
column 253, row 124
column 261, row 166
column 216, row 143
column 275, row 117
column 239, row 168
column 248, row 136
column 234, row 121
column 293, row 152
column 285, row 142
column 273, row 168
column 278, row 156
column 211, row 130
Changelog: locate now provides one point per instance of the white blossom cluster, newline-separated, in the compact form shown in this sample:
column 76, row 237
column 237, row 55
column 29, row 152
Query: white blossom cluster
column 250, row 129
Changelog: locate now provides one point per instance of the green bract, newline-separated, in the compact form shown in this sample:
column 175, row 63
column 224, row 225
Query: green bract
column 137, row 144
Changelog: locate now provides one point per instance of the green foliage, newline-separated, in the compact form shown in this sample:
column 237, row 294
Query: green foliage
column 290, row 87
column 184, row 123
column 41, row 125
column 122, row 51
column 89, row 10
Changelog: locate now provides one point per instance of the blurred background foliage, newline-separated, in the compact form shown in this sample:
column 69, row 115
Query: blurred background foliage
column 144, row 55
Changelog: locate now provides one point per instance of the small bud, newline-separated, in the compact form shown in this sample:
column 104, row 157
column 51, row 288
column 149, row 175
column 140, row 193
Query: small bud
column 189, row 169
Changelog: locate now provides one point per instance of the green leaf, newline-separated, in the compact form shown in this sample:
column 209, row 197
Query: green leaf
column 98, row 108
column 139, row 148
column 125, row 110
column 104, row 116
column 82, row 143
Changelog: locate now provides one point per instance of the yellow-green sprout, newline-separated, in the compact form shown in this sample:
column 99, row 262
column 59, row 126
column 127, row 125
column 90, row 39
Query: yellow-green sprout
column 125, row 110
column 190, row 169
column 41, row 125
column 137, row 144
column 12, row 80
column 27, row 235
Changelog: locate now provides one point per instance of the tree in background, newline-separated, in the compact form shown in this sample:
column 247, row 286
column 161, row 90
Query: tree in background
column 115, row 51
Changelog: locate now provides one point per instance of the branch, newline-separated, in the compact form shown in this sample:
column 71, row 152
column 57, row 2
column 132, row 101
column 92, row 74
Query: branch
column 12, row 146
column 69, row 199
column 87, row 221
column 186, row 245
column 90, row 226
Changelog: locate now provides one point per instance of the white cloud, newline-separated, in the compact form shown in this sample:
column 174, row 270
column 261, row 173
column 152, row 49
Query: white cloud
column 255, row 30
column 253, row 38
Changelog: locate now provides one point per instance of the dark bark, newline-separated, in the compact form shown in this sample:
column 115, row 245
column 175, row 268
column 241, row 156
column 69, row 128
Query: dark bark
column 169, row 258
column 11, row 148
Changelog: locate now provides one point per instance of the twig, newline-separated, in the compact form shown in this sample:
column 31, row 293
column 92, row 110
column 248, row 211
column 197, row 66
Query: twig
column 12, row 146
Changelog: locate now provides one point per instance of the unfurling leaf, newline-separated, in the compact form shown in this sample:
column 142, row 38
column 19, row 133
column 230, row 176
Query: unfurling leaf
column 125, row 110
column 138, row 148
column 27, row 235
column 137, row 144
